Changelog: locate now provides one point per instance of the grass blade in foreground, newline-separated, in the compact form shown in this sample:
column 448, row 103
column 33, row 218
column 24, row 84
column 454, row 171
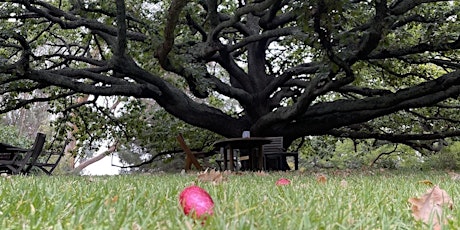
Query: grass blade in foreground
column 247, row 201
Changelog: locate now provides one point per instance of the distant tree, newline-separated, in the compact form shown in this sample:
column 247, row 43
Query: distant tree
column 12, row 136
column 30, row 120
column 358, row 69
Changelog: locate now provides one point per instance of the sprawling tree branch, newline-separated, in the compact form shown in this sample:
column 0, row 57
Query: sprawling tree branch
column 293, row 68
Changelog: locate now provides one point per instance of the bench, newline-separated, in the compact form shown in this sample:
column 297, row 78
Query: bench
column 21, row 161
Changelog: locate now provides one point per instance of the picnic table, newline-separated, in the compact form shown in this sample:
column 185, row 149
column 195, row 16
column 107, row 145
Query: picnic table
column 250, row 143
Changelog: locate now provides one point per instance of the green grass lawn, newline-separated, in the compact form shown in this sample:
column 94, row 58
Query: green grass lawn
column 249, row 201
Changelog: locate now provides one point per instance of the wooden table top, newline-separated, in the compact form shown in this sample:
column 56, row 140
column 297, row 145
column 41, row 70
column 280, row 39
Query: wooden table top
column 240, row 142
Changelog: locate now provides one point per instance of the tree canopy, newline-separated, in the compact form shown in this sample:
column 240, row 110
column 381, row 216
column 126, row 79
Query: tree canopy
column 361, row 69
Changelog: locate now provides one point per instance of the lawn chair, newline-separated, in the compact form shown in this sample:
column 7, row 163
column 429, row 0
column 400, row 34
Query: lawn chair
column 21, row 162
column 191, row 156
column 275, row 155
column 49, row 160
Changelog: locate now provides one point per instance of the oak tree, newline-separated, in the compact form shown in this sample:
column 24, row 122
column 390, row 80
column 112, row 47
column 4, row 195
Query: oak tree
column 378, row 69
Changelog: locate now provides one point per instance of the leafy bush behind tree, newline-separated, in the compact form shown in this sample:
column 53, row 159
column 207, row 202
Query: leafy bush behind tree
column 330, row 152
column 12, row 136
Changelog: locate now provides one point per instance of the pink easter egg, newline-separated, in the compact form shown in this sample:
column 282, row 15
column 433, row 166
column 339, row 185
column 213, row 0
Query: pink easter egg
column 196, row 202
column 282, row 181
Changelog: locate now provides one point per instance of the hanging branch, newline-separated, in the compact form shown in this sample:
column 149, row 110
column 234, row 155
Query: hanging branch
column 121, row 27
column 381, row 154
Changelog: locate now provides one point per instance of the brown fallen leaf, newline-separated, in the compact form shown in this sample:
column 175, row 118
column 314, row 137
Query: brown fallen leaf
column 261, row 173
column 321, row 178
column 341, row 172
column 111, row 200
column 211, row 176
column 454, row 175
column 343, row 184
column 427, row 182
column 429, row 207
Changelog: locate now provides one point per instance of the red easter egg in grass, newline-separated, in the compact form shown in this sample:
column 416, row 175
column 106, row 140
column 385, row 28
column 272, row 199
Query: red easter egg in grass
column 283, row 181
column 196, row 202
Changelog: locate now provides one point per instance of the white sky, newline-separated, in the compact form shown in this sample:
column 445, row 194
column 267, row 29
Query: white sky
column 103, row 167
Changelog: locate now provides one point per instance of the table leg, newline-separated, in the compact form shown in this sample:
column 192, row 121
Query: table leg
column 231, row 159
column 224, row 156
column 260, row 164
column 251, row 159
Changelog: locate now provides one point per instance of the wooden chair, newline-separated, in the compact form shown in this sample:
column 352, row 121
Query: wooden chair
column 275, row 153
column 22, row 162
column 190, row 157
